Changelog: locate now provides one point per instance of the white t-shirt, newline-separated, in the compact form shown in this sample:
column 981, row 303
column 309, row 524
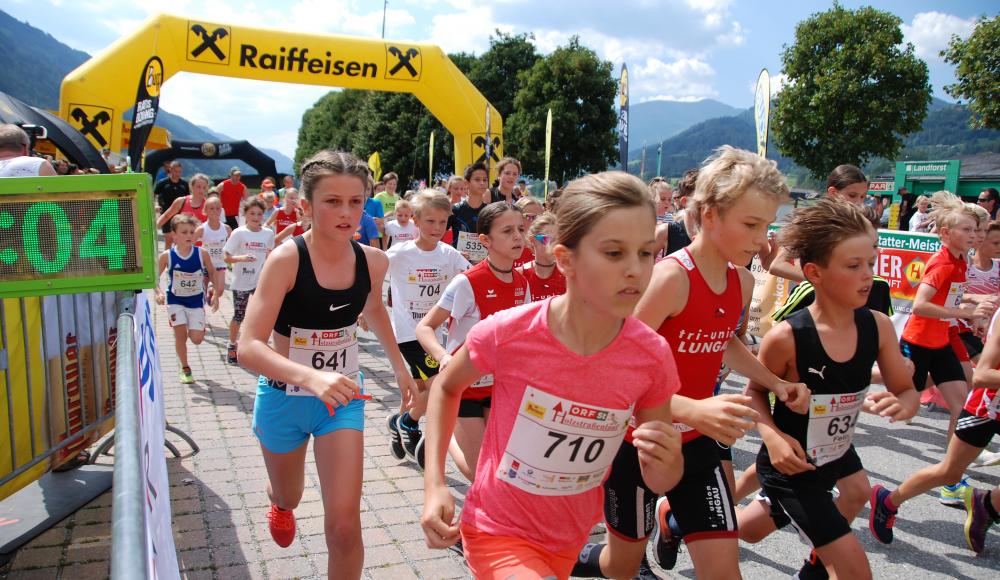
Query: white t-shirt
column 214, row 241
column 400, row 233
column 258, row 244
column 20, row 166
column 417, row 279
column 459, row 299
column 918, row 221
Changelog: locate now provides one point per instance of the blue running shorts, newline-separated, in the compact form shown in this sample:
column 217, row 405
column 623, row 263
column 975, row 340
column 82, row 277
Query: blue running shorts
column 282, row 423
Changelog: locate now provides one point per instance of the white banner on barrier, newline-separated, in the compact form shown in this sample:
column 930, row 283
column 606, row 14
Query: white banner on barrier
column 159, row 535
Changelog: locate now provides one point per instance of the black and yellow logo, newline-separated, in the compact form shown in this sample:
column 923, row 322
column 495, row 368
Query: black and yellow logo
column 402, row 63
column 429, row 362
column 208, row 149
column 208, row 43
column 479, row 153
column 93, row 121
column 154, row 77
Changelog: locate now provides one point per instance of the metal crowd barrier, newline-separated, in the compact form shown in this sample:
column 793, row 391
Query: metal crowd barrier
column 128, row 511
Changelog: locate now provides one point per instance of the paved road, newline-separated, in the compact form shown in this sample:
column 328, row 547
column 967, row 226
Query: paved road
column 219, row 502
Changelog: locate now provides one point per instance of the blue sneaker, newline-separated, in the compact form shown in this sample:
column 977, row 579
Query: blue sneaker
column 954, row 495
column 880, row 517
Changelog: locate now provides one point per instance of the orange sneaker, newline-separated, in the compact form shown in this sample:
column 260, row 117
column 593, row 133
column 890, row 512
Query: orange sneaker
column 281, row 523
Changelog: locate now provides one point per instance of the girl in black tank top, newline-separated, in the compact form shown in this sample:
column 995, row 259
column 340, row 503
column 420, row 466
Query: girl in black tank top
column 307, row 304
column 805, row 455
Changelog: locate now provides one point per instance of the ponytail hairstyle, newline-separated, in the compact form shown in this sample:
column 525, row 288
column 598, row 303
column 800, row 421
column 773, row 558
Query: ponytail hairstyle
column 728, row 174
column 845, row 175
column 328, row 163
column 589, row 198
column 490, row 213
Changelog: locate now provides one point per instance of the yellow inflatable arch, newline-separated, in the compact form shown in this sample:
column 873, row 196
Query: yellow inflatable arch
column 95, row 95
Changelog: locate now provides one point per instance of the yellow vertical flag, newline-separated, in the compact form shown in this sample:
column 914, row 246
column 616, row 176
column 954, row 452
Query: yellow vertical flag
column 548, row 150
column 375, row 164
column 430, row 162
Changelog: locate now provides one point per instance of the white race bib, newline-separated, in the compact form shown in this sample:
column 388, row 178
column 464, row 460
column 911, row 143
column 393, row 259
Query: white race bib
column 832, row 419
column 484, row 381
column 469, row 245
column 325, row 350
column 215, row 252
column 561, row 447
column 955, row 293
column 423, row 290
column 187, row 283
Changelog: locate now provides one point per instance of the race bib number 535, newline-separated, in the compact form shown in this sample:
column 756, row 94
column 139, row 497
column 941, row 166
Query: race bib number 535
column 559, row 446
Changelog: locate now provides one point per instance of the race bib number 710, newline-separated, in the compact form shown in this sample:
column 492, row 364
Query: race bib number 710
column 559, row 446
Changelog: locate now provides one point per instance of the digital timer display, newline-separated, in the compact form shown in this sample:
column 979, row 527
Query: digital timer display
column 75, row 234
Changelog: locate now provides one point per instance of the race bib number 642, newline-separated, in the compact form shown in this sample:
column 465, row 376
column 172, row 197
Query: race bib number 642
column 559, row 446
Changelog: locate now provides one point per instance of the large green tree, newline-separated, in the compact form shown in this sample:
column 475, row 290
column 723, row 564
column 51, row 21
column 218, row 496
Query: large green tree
column 329, row 124
column 853, row 90
column 580, row 89
column 977, row 68
column 495, row 72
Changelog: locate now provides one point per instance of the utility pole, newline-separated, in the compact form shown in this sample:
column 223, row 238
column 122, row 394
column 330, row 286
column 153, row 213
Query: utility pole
column 385, row 6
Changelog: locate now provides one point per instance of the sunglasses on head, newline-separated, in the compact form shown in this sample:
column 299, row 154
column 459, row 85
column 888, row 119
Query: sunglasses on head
column 983, row 199
column 543, row 238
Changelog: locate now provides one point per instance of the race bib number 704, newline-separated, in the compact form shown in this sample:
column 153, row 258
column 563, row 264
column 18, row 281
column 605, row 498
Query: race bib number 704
column 559, row 446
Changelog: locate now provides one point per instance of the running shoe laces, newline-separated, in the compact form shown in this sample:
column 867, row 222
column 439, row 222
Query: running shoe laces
column 281, row 523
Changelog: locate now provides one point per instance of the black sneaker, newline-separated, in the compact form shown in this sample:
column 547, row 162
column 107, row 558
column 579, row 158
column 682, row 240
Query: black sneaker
column 395, row 439
column 645, row 572
column 414, row 445
column 665, row 543
column 812, row 569
column 231, row 355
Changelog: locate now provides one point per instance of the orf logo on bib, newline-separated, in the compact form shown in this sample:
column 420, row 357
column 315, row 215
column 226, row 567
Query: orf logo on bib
column 559, row 446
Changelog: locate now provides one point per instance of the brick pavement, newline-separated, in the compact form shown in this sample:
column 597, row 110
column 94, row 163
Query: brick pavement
column 218, row 495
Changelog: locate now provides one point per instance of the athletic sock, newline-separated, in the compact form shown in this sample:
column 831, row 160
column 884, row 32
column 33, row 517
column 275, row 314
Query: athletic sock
column 887, row 502
column 588, row 563
column 989, row 507
column 408, row 422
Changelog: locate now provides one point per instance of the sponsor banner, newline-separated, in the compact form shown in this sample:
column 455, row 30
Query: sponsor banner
column 762, row 110
column 147, row 103
column 901, row 261
column 623, row 118
column 161, row 552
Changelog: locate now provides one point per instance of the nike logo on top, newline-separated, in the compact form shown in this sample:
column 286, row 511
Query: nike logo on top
column 332, row 307
column 819, row 372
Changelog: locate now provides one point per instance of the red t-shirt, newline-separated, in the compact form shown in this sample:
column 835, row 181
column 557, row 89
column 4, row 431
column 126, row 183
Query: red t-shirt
column 283, row 220
column 700, row 333
column 542, row 288
column 946, row 274
column 526, row 256
column 985, row 402
column 231, row 196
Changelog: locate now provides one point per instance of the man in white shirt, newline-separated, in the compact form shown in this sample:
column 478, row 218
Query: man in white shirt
column 15, row 155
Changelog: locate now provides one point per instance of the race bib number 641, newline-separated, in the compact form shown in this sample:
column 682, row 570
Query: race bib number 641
column 559, row 446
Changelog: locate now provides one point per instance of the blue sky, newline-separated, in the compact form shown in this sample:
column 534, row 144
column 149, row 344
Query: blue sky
column 675, row 49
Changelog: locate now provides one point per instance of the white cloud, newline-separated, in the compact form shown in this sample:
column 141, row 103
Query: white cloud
column 685, row 79
column 930, row 32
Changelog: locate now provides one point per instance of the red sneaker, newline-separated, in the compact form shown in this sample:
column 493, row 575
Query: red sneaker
column 282, row 525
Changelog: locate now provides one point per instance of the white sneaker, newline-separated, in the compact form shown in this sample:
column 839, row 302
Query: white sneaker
column 986, row 459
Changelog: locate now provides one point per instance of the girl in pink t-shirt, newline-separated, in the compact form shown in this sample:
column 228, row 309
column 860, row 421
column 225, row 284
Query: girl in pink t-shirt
column 569, row 374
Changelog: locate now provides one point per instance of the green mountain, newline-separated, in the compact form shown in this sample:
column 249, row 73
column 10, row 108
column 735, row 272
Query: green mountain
column 945, row 135
column 34, row 64
column 654, row 121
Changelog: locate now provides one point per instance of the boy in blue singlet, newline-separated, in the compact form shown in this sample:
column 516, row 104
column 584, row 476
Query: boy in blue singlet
column 190, row 270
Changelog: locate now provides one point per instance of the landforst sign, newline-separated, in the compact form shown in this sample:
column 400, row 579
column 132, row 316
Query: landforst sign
column 94, row 96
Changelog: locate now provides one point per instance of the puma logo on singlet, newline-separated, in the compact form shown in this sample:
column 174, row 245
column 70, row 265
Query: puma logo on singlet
column 332, row 307
column 819, row 372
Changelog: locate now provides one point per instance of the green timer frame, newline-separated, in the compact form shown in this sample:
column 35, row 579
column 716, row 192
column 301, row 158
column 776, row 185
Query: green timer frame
column 76, row 233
